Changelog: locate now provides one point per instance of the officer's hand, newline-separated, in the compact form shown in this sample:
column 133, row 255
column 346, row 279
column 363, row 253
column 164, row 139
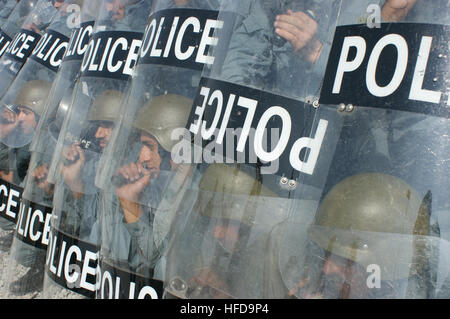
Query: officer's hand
column 71, row 169
column 209, row 285
column 396, row 10
column 8, row 121
column 136, row 179
column 32, row 27
column 7, row 176
column 40, row 174
column 300, row 30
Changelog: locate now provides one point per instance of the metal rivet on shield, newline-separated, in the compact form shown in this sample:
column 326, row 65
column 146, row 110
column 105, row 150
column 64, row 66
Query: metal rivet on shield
column 284, row 180
column 178, row 284
column 341, row 107
column 349, row 108
column 316, row 103
column 292, row 184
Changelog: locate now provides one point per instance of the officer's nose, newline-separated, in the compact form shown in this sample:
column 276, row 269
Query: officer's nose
column 330, row 267
column 21, row 116
column 101, row 132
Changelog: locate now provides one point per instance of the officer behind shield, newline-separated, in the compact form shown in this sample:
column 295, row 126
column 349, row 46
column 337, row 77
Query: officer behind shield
column 302, row 32
column 217, row 251
column 370, row 239
column 17, row 122
column 125, row 14
column 41, row 22
column 50, row 135
column 274, row 41
column 146, row 188
column 80, row 165
column 23, row 115
column 20, row 120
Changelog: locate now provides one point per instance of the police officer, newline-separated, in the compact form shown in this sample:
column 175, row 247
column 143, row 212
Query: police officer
column 275, row 41
column 218, row 248
column 38, row 21
column 81, row 159
column 303, row 32
column 137, row 221
column 24, row 115
column 124, row 15
column 370, row 239
column 21, row 119
column 40, row 189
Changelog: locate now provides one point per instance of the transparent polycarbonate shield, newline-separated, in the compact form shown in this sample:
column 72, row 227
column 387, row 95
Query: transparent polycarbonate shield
column 28, row 93
column 35, row 80
column 141, row 184
column 39, row 17
column 26, row 262
column 329, row 263
column 6, row 8
column 12, row 25
column 381, row 227
column 257, row 107
column 219, row 245
column 280, row 46
column 97, row 99
column 60, row 97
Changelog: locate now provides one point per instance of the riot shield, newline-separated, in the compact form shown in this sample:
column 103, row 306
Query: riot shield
column 6, row 8
column 11, row 26
column 97, row 99
column 265, row 145
column 141, row 186
column 30, row 91
column 381, row 228
column 14, row 162
column 33, row 27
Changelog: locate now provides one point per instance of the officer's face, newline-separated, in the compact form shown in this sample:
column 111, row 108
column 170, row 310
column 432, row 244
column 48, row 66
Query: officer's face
column 103, row 133
column 116, row 9
column 149, row 156
column 227, row 234
column 26, row 120
column 338, row 278
column 58, row 3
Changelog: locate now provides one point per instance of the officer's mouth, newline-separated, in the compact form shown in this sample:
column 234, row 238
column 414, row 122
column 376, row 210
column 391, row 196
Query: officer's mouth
column 150, row 169
column 102, row 143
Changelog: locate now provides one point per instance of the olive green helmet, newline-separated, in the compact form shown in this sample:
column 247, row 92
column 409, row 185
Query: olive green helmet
column 106, row 106
column 372, row 218
column 228, row 192
column 162, row 115
column 33, row 95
